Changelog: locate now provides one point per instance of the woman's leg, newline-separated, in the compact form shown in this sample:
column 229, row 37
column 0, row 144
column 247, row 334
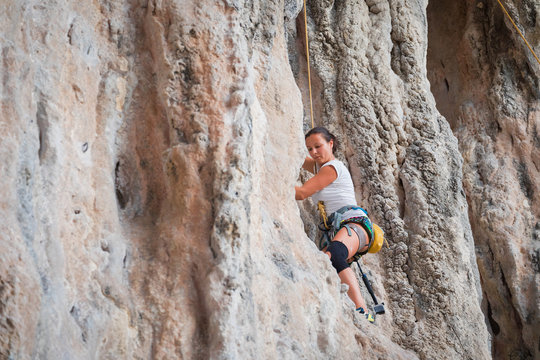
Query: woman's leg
column 347, row 275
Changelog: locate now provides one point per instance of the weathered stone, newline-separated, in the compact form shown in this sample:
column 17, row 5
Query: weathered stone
column 407, row 169
column 148, row 153
column 486, row 84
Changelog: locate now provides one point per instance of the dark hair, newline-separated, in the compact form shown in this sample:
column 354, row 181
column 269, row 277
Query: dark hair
column 327, row 135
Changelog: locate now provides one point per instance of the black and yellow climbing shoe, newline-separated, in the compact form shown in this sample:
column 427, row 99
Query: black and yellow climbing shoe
column 368, row 316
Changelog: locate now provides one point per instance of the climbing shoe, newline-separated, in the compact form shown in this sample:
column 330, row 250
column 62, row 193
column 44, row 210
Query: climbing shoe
column 368, row 316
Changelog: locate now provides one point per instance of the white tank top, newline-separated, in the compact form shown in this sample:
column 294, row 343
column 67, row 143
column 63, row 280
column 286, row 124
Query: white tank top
column 340, row 192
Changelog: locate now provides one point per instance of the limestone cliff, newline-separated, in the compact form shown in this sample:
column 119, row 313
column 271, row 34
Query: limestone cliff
column 149, row 150
column 490, row 94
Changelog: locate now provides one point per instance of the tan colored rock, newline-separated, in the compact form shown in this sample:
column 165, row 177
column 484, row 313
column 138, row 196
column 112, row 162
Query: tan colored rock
column 485, row 81
column 148, row 153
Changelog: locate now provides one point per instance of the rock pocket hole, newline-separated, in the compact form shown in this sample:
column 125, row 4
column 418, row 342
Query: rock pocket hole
column 122, row 200
column 495, row 328
column 43, row 125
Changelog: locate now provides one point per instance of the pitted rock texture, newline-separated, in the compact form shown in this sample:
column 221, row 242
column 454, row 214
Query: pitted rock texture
column 372, row 91
column 148, row 153
column 486, row 82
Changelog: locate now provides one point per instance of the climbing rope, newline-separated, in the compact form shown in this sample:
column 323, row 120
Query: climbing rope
column 322, row 212
column 520, row 34
column 308, row 71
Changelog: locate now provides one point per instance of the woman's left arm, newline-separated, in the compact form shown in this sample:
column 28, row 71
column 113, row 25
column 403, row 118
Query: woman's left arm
column 324, row 177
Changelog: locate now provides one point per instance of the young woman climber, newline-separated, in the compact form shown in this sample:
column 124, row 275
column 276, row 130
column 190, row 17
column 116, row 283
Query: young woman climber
column 333, row 185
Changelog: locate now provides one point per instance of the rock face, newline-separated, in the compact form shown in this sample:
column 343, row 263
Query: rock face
column 370, row 61
column 490, row 94
column 148, row 153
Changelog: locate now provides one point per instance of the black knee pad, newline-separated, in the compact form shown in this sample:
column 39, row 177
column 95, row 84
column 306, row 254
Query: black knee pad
column 339, row 253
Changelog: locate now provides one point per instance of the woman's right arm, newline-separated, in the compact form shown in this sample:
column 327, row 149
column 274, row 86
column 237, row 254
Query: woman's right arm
column 309, row 165
column 324, row 177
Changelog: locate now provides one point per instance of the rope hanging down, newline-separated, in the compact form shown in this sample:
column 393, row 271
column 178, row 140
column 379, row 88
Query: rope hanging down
column 520, row 34
column 308, row 71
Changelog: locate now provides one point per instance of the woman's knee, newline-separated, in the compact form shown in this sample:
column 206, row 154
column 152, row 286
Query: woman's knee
column 338, row 255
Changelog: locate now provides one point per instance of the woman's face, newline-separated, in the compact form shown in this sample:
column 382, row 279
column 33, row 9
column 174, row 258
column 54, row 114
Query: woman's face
column 319, row 149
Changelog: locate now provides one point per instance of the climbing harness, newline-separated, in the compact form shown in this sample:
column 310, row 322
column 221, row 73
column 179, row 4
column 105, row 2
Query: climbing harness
column 329, row 227
column 517, row 29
